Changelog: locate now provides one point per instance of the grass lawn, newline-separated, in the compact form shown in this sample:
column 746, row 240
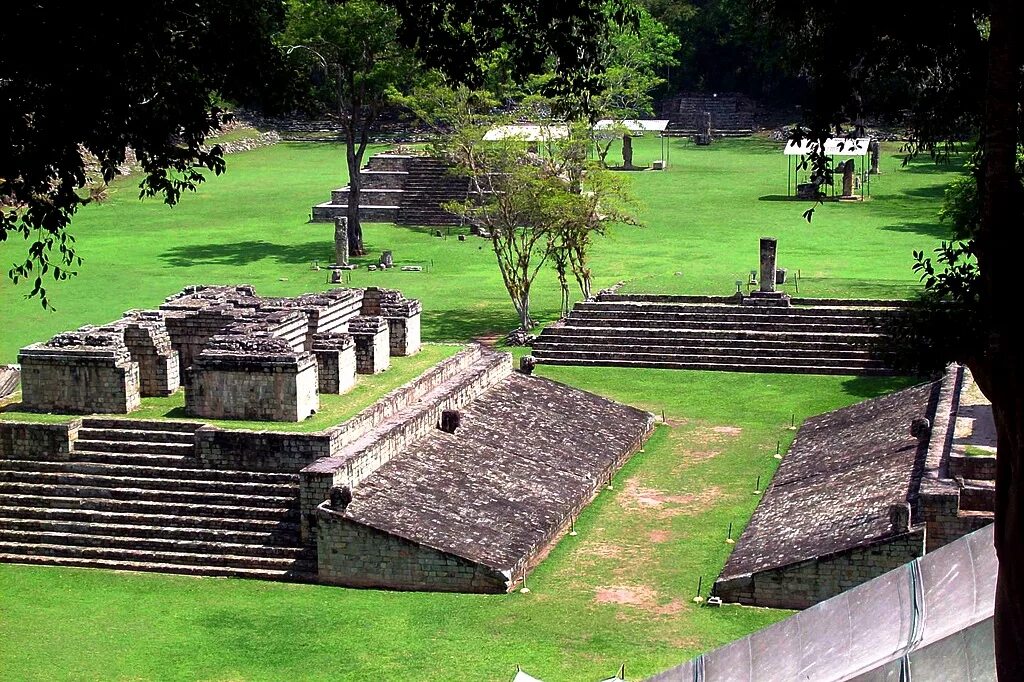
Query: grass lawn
column 702, row 220
column 334, row 409
column 620, row 591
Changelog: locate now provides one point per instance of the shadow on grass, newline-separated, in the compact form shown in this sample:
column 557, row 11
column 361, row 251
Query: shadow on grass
column 874, row 386
column 780, row 197
column 934, row 230
column 462, row 325
column 245, row 253
column 937, row 191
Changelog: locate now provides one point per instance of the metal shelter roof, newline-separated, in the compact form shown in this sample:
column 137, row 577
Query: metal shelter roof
column 527, row 133
column 834, row 146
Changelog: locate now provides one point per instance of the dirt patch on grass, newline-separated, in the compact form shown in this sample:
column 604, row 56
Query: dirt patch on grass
column 602, row 550
column 727, row 430
column 670, row 609
column 659, row 536
column 635, row 497
column 630, row 596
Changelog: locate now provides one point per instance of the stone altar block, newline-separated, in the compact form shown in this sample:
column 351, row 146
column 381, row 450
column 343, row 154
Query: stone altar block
column 373, row 343
column 336, row 361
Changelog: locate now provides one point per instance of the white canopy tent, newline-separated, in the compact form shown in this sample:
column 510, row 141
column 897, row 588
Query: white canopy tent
column 843, row 147
column 528, row 133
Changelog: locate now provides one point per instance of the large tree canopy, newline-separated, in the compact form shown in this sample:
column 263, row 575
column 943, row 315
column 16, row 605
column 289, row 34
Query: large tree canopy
column 102, row 78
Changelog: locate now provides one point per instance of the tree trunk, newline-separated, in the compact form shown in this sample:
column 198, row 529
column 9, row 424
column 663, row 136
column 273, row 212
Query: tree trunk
column 355, row 185
column 1000, row 371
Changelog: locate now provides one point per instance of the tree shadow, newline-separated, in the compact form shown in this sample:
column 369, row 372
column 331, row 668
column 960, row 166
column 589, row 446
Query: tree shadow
column 247, row 252
column 463, row 325
column 779, row 197
column 937, row 191
column 933, row 230
column 874, row 386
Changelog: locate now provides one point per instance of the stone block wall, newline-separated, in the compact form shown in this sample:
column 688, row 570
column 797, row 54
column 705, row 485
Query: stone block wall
column 404, row 335
column 47, row 442
column 373, row 346
column 150, row 346
column 336, row 361
column 939, row 504
column 802, row 585
column 268, row 451
column 402, row 315
column 252, row 377
column 972, row 467
column 80, row 373
column 358, row 556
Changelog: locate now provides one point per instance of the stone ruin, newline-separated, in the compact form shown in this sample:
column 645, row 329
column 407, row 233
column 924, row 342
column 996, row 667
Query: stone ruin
column 862, row 491
column 238, row 355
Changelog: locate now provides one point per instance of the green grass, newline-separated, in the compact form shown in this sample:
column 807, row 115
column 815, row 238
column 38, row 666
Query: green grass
column 702, row 220
column 975, row 451
column 334, row 409
column 661, row 527
column 647, row 540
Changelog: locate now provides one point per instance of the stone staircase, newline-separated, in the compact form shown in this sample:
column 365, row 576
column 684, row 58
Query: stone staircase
column 731, row 115
column 133, row 497
column 402, row 189
column 680, row 333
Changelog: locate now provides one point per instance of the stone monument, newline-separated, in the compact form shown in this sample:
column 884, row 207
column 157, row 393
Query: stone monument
column 341, row 241
column 848, row 168
column 703, row 136
column 767, row 293
column 875, row 149
column 627, row 151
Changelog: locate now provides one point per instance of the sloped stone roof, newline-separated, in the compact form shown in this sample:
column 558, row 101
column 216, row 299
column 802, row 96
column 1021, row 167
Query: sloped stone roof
column 835, row 486
column 528, row 453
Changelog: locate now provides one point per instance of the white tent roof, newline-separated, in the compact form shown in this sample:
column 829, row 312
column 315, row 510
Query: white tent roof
column 834, row 146
column 634, row 124
column 527, row 133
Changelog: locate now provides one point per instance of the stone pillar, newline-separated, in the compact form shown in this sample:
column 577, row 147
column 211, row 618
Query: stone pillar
column 372, row 344
column 341, row 240
column 768, row 264
column 848, row 169
column 336, row 362
column 627, row 151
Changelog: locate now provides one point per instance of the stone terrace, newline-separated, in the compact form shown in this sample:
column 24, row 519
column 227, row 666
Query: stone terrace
column 529, row 454
column 838, row 510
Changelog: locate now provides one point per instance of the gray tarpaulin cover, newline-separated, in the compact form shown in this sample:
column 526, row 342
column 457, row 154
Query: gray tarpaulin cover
column 930, row 619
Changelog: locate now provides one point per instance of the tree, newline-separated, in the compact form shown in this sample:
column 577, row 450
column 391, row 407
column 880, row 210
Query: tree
column 356, row 44
column 142, row 76
column 949, row 70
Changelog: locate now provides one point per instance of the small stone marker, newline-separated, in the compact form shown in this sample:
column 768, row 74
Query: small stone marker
column 340, row 497
column 412, row 268
column 341, row 241
column 450, row 420
column 462, row 237
column 387, row 260
column 527, row 364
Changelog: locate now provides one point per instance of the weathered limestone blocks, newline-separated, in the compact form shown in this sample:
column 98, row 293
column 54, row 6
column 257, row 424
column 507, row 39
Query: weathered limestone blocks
column 373, row 346
column 149, row 343
column 80, row 372
column 47, row 442
column 258, row 377
column 403, row 316
column 336, row 361
column 327, row 311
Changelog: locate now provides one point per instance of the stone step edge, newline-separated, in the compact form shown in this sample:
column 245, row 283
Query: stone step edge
column 724, row 367
column 130, row 530
column 211, row 546
column 193, row 522
column 70, row 466
column 83, row 490
column 5, row 548
column 156, row 567
column 230, row 486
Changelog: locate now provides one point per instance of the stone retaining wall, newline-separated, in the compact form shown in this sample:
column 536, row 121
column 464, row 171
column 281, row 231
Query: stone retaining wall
column 354, row 555
column 46, row 442
column 266, row 451
column 802, row 585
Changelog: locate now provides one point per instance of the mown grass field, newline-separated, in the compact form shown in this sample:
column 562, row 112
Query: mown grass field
column 618, row 592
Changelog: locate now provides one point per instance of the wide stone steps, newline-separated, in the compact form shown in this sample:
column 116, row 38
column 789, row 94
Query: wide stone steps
column 268, row 538
column 723, row 359
column 152, row 544
column 278, row 526
column 127, row 480
column 722, row 323
column 150, row 472
column 139, row 495
column 551, row 348
column 136, row 435
column 716, row 366
column 151, row 556
column 299, row 574
column 133, row 447
column 556, row 337
column 654, row 306
column 139, row 425
column 78, row 498
column 136, row 458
